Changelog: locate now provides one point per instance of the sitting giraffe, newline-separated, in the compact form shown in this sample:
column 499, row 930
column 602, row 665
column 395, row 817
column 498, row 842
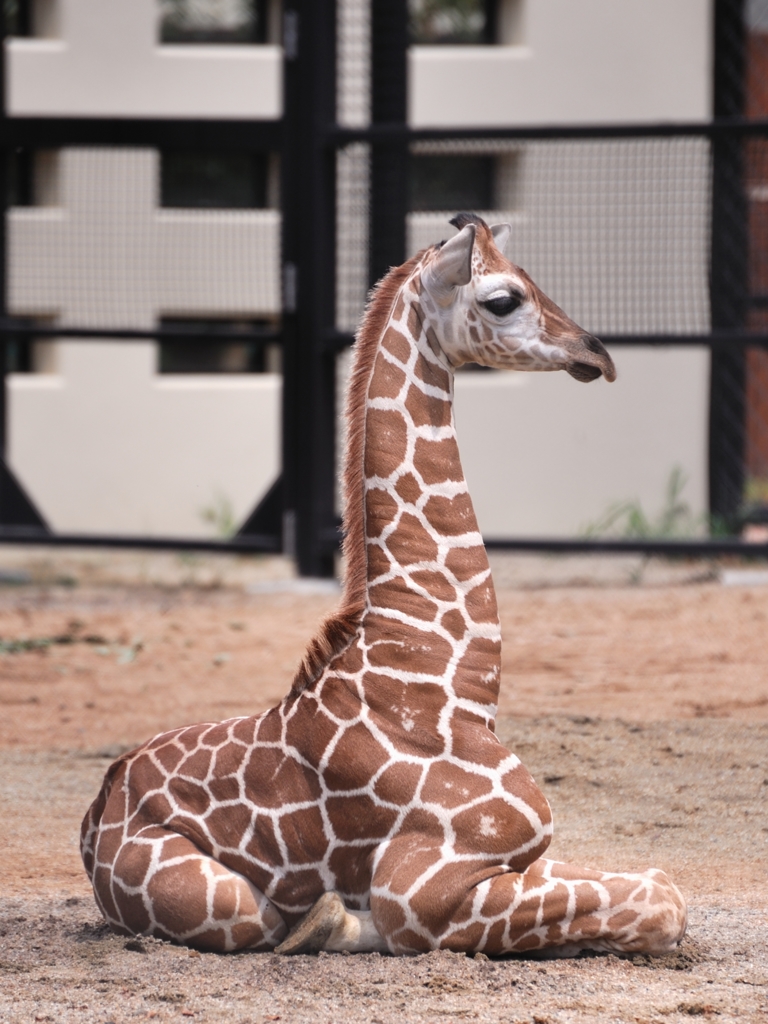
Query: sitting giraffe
column 374, row 809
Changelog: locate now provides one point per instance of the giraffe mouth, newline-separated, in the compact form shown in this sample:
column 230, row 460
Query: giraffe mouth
column 592, row 361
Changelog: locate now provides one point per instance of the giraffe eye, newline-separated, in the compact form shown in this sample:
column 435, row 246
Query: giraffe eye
column 502, row 305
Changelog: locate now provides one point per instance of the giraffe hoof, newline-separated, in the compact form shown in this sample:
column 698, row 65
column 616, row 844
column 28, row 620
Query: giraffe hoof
column 313, row 931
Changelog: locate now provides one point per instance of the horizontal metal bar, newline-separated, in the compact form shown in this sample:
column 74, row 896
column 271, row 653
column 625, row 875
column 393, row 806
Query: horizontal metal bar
column 214, row 334
column 382, row 134
column 599, row 545
column 154, row 133
column 236, row 545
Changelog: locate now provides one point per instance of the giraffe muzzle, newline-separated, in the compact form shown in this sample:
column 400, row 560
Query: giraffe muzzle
column 589, row 360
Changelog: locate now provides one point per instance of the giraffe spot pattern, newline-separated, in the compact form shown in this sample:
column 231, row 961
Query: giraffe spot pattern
column 383, row 779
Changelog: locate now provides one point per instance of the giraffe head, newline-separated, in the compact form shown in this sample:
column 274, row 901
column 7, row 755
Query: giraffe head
column 487, row 310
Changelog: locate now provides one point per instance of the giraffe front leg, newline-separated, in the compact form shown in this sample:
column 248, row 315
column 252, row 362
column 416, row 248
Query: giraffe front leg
column 159, row 883
column 428, row 902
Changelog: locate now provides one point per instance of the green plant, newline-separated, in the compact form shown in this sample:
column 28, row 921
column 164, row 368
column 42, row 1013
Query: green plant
column 220, row 515
column 628, row 519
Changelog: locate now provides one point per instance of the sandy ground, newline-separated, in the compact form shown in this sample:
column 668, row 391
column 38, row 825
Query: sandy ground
column 636, row 694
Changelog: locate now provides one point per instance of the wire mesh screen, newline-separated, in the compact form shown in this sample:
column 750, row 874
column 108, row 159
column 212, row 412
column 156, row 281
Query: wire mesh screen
column 98, row 247
column 616, row 231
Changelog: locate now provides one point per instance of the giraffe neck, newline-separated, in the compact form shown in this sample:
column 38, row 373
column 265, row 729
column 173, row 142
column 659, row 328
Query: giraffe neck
column 430, row 607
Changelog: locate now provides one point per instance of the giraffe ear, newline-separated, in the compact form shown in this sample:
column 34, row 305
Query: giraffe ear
column 452, row 266
column 501, row 233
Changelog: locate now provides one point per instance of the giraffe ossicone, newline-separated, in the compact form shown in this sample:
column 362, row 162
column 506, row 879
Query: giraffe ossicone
column 374, row 808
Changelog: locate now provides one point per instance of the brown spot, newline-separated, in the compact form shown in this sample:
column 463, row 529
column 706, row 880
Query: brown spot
column 190, row 738
column 478, row 746
column 410, row 542
column 399, row 307
column 189, row 797
column 415, row 320
column 451, row 517
column 380, row 511
column 132, row 863
column 438, row 461
column 396, row 593
column 555, row 904
column 386, row 442
column 197, row 765
column 453, row 621
column 355, row 759
column 410, row 712
column 406, row 860
column 388, row 916
column 465, row 563
column 228, row 759
column 108, row 844
column 263, row 844
column 422, row 652
column 520, row 783
column 229, row 824
column 178, row 894
column 173, row 846
column 409, row 488
column 477, row 674
column 339, row 699
column 216, row 735
column 297, row 889
column 358, row 817
column 168, row 756
column 433, row 374
column 494, row 827
column 379, row 563
column 387, row 380
column 439, row 900
column 397, row 785
column 102, row 887
column 310, row 720
column 272, row 778
column 352, row 867
column 624, row 919
column 224, row 787
column 396, row 344
column 304, row 836
column 426, row 410
column 494, row 942
column 465, row 939
column 143, row 775
column 620, row 890
column 587, row 899
column 245, row 730
column 435, row 583
column 132, row 910
column 451, row 786
column 481, row 603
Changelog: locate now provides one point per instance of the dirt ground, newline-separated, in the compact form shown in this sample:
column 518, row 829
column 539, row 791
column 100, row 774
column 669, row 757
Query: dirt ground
column 636, row 693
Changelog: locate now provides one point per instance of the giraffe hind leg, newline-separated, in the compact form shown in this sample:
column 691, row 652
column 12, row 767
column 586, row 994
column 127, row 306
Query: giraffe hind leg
column 550, row 906
column 159, row 883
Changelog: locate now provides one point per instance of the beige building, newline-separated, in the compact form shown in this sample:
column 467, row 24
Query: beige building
column 114, row 438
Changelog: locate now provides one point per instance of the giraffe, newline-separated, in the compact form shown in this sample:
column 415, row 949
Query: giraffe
column 374, row 809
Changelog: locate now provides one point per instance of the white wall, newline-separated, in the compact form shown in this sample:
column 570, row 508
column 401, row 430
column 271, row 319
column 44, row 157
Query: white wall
column 108, row 62
column 579, row 61
column 545, row 455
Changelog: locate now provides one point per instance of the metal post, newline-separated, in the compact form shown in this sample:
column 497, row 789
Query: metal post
column 729, row 269
column 308, row 254
column 389, row 162
column 16, row 509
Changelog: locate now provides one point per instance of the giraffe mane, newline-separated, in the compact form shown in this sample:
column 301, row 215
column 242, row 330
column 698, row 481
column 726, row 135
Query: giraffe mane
column 339, row 629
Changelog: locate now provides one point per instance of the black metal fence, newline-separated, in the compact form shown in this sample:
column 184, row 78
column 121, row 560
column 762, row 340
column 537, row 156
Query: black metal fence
column 688, row 202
